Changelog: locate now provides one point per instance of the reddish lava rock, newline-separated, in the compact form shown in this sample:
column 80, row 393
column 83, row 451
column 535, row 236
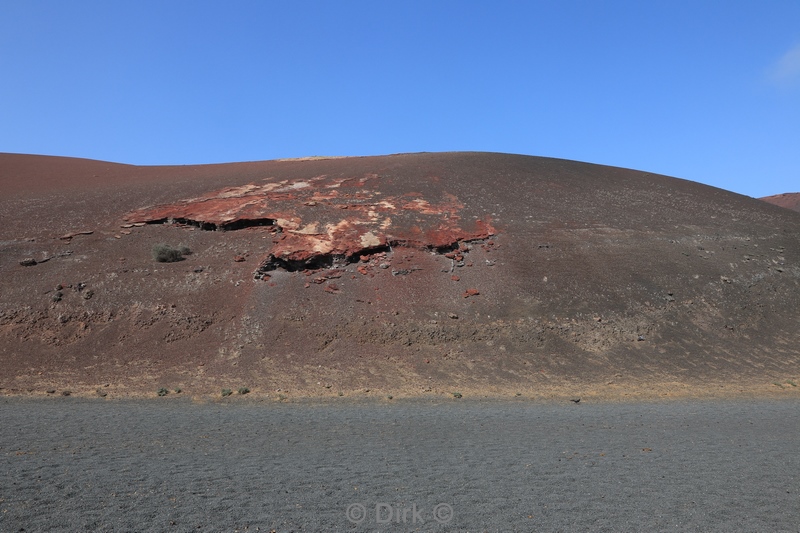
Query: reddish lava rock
column 311, row 238
column 471, row 292
column 789, row 200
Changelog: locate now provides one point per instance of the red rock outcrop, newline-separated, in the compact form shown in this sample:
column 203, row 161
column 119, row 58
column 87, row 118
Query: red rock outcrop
column 318, row 222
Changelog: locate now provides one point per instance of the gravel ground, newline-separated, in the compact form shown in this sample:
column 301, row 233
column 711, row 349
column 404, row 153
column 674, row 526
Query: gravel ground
column 72, row 464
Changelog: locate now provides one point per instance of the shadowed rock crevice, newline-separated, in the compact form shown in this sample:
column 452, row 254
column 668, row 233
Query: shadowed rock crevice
column 211, row 226
column 321, row 261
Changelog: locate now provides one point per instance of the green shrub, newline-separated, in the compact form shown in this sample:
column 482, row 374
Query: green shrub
column 164, row 253
column 243, row 390
column 162, row 391
column 226, row 392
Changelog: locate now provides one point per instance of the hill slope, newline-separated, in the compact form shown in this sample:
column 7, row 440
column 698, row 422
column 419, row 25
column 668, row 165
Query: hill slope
column 789, row 200
column 407, row 274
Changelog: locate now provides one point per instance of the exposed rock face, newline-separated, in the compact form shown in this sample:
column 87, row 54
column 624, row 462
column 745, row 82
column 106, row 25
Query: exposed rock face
column 322, row 221
column 410, row 273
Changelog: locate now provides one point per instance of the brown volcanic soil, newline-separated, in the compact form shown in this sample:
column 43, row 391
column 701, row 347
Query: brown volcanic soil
column 789, row 200
column 407, row 275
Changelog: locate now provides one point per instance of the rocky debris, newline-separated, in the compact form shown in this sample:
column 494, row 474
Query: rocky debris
column 28, row 261
column 239, row 259
column 404, row 271
column 471, row 292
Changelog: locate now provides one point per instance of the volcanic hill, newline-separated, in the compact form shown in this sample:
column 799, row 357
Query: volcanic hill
column 789, row 200
column 405, row 275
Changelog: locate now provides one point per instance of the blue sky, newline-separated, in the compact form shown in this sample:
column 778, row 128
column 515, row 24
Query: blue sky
column 702, row 90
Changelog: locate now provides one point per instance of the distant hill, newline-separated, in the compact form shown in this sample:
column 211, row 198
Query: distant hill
column 404, row 275
column 789, row 200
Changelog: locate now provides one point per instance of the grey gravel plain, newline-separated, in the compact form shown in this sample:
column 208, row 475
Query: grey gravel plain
column 72, row 464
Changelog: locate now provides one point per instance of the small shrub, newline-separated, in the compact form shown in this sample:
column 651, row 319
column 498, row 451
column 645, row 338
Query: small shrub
column 456, row 395
column 164, row 253
column 178, row 390
column 243, row 390
column 226, row 392
column 162, row 391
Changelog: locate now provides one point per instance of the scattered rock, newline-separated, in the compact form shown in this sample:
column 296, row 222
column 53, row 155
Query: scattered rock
column 28, row 261
column 69, row 236
column 239, row 259
column 452, row 315
column 455, row 278
column 66, row 393
column 471, row 292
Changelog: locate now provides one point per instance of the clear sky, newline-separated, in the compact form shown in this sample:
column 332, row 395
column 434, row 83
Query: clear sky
column 702, row 90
